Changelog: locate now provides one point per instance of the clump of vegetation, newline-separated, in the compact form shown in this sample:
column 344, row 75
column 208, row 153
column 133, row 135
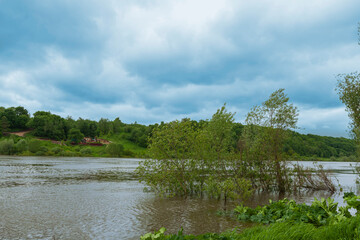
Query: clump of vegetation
column 347, row 229
column 7, row 147
column 191, row 158
column 319, row 213
column 188, row 159
column 288, row 220
column 115, row 149
column 34, row 145
column 86, row 151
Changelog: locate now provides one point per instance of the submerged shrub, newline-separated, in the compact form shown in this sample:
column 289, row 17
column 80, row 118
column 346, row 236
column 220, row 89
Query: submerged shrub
column 7, row 147
column 115, row 149
column 86, row 150
column 21, row 145
column 34, row 145
column 57, row 150
column 67, row 153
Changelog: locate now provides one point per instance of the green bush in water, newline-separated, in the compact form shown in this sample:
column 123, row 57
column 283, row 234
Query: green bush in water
column 86, row 151
column 21, row 146
column 7, row 147
column 34, row 145
column 115, row 149
column 57, row 150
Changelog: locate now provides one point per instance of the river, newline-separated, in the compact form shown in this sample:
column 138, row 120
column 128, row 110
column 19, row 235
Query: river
column 98, row 198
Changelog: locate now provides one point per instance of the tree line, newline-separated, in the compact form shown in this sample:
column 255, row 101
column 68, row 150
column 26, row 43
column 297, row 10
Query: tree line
column 48, row 125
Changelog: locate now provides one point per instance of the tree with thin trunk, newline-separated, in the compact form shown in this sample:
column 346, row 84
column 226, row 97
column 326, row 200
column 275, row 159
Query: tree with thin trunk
column 271, row 121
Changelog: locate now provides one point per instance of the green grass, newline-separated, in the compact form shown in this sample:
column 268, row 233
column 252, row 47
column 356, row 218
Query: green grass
column 52, row 149
column 348, row 229
column 133, row 147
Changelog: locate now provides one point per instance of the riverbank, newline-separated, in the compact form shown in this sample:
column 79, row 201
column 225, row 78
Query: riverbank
column 28, row 145
column 46, row 147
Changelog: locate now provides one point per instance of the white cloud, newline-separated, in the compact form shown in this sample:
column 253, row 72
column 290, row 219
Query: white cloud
column 323, row 121
column 247, row 49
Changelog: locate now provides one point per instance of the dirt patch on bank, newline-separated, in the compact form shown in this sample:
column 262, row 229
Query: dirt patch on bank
column 21, row 133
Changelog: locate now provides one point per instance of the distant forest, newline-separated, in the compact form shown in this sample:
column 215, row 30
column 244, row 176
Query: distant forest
column 47, row 125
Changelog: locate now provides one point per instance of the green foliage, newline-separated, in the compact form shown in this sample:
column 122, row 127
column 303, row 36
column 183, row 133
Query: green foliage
column 57, row 150
column 87, row 127
column 115, row 149
column 134, row 137
column 34, row 145
column 186, row 159
column 154, row 236
column 321, row 212
column 319, row 146
column 75, row 135
column 348, row 229
column 4, row 124
column 348, row 88
column 104, row 126
column 17, row 117
column 288, row 220
column 86, row 151
column 353, row 201
column 263, row 141
column 48, row 125
column 7, row 147
column 170, row 167
column 21, row 146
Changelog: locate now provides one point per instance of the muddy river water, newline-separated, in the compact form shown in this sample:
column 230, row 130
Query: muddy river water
column 98, row 198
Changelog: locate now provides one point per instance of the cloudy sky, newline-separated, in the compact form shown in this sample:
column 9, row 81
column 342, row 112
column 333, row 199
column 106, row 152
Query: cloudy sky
column 152, row 61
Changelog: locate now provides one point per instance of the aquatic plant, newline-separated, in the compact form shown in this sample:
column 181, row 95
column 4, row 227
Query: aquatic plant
column 320, row 212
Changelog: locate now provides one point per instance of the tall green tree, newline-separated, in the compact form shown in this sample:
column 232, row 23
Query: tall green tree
column 48, row 125
column 274, row 117
column 169, row 170
column 4, row 124
column 75, row 135
column 348, row 88
column 104, row 126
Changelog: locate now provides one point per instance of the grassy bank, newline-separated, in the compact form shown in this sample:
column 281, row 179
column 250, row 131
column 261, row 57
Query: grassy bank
column 346, row 230
column 33, row 146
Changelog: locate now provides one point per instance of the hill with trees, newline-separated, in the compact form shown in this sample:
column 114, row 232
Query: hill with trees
column 64, row 137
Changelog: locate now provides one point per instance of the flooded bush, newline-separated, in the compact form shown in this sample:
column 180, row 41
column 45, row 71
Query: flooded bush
column 86, row 151
column 115, row 149
column 34, row 145
column 21, row 146
column 312, row 178
column 57, row 150
column 7, row 147
column 67, row 153
column 189, row 161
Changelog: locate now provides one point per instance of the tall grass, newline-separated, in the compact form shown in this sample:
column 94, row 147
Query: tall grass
column 349, row 229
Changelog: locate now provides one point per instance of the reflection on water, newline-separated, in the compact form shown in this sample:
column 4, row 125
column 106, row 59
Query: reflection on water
column 99, row 198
